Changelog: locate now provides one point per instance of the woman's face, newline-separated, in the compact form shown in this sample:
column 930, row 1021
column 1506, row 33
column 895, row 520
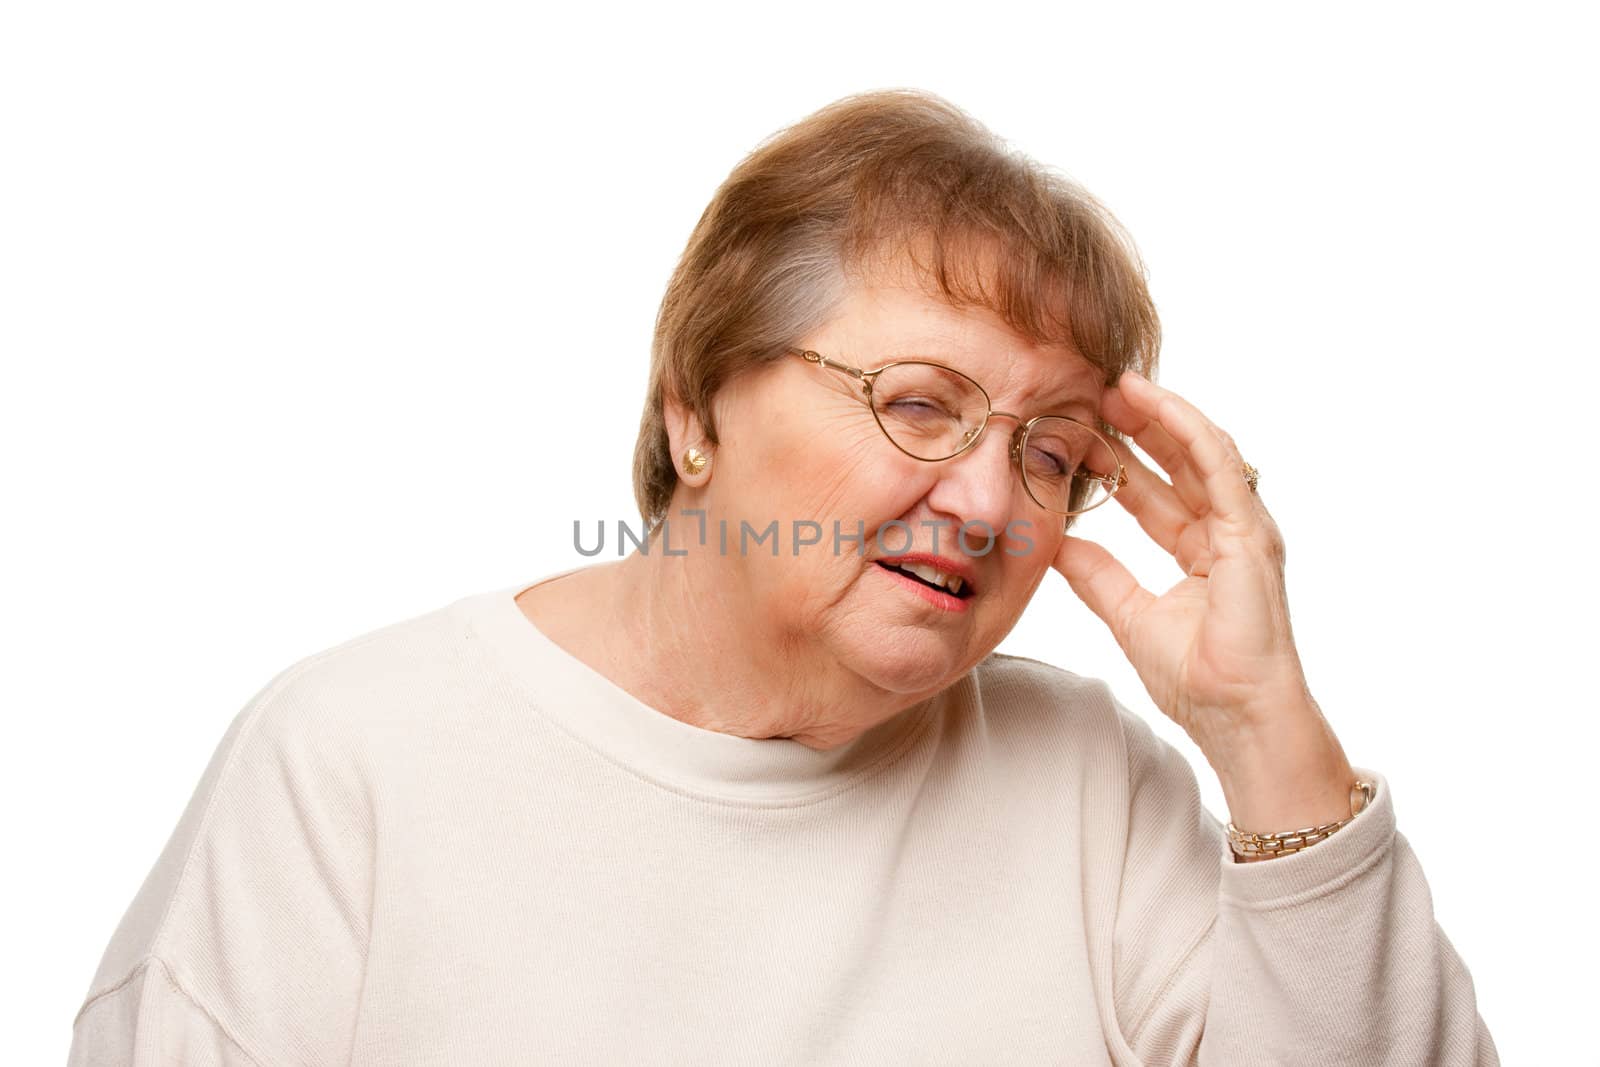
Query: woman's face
column 798, row 443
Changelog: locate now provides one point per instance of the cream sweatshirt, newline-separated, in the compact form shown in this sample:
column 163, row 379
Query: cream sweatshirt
column 450, row 842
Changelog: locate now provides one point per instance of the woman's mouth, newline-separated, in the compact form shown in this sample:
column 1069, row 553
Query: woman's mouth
column 930, row 576
column 940, row 588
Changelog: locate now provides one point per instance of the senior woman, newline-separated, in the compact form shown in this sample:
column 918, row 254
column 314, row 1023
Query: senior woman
column 762, row 791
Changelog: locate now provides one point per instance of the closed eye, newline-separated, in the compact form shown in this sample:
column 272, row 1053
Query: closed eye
column 916, row 405
column 1046, row 463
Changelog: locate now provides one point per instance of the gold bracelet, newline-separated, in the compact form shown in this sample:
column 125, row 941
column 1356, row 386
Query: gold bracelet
column 1248, row 847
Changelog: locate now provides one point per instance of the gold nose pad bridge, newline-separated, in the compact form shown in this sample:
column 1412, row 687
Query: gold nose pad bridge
column 1016, row 443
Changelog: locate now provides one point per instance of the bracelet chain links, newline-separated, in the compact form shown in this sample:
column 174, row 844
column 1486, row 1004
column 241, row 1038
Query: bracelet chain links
column 1248, row 847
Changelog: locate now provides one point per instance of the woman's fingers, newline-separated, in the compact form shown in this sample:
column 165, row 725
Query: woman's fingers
column 1139, row 423
column 1207, row 451
column 1159, row 511
column 1103, row 583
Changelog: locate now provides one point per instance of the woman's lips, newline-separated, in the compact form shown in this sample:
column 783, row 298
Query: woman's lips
column 958, row 576
column 936, row 597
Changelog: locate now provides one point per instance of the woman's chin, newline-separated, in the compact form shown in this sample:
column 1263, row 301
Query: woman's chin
column 917, row 662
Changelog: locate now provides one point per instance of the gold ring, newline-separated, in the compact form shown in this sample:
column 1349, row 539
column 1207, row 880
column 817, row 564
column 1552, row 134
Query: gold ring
column 1251, row 476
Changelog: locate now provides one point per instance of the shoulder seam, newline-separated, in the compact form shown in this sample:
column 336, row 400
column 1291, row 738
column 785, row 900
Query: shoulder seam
column 154, row 962
column 256, row 706
column 226, row 1031
column 96, row 996
column 1177, row 968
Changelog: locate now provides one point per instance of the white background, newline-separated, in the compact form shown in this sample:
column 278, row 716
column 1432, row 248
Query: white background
column 318, row 316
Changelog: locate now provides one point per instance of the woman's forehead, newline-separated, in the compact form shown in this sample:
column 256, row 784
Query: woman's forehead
column 880, row 320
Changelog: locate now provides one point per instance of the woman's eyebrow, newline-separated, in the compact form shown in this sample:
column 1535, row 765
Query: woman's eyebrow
column 1058, row 400
column 1081, row 405
column 1078, row 408
column 1061, row 400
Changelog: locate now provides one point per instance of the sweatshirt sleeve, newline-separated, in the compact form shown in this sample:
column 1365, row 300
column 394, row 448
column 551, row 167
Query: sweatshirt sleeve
column 1327, row 956
column 247, row 942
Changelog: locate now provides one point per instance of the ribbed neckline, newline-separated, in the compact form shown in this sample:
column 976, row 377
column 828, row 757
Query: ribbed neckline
column 771, row 772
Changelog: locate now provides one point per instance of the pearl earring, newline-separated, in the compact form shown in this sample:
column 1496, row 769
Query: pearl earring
column 694, row 461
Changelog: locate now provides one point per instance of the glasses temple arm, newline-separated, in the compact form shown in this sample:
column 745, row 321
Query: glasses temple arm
column 831, row 364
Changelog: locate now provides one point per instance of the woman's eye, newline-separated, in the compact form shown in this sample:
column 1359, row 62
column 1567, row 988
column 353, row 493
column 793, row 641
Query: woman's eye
column 916, row 405
column 1045, row 462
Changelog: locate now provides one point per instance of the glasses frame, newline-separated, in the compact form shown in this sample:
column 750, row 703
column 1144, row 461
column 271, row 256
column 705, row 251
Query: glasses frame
column 1019, row 437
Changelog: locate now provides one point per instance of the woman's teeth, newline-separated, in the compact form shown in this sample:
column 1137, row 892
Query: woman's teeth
column 948, row 582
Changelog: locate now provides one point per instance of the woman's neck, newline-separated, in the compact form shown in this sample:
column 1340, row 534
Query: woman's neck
column 687, row 645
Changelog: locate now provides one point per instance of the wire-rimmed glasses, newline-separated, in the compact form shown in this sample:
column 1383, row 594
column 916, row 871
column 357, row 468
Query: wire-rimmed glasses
column 932, row 412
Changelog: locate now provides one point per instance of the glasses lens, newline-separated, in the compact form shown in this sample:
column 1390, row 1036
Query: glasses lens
column 1066, row 467
column 930, row 412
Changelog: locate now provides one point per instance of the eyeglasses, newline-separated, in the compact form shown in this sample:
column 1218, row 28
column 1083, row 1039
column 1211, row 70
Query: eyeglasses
column 933, row 413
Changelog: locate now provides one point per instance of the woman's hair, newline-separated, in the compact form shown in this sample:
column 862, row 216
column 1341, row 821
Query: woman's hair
column 893, row 178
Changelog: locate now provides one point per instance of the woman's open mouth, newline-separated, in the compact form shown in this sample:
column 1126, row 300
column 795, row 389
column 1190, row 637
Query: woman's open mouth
column 945, row 590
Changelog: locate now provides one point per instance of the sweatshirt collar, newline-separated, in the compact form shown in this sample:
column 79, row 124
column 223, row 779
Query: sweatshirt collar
column 613, row 724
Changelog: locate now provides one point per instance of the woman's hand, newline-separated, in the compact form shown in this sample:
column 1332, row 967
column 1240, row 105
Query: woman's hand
column 1215, row 651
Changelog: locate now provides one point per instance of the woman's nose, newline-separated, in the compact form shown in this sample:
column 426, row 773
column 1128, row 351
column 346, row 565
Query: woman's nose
column 979, row 485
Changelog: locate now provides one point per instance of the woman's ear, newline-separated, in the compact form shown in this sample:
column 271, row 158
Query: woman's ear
column 686, row 440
